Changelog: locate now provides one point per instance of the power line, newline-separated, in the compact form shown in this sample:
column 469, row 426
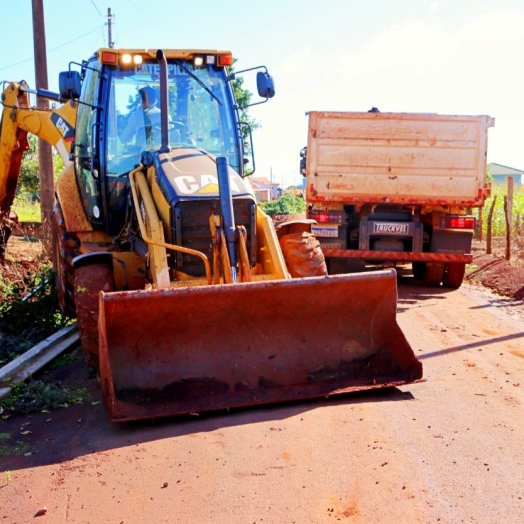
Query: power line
column 97, row 9
column 54, row 48
column 154, row 20
column 77, row 38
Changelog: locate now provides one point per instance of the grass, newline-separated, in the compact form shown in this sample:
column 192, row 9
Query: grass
column 26, row 210
column 36, row 396
column 9, row 447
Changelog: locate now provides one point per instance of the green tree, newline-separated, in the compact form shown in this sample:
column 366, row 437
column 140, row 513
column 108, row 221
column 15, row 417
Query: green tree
column 29, row 182
column 243, row 97
column 289, row 204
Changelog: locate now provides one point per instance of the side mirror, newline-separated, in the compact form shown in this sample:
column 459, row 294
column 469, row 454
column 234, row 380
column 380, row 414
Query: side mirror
column 265, row 85
column 303, row 161
column 69, row 85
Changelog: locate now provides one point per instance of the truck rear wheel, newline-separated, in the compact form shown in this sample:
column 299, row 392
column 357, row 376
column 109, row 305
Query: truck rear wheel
column 418, row 269
column 434, row 274
column 66, row 246
column 90, row 279
column 454, row 275
column 339, row 266
column 303, row 255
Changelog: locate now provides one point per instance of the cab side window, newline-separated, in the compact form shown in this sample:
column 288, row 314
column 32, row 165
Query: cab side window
column 86, row 142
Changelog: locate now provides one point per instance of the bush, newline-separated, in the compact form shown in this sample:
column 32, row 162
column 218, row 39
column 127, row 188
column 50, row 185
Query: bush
column 288, row 204
column 23, row 300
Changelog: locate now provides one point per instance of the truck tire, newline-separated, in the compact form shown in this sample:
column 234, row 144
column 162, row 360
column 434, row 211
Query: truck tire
column 303, row 255
column 339, row 266
column 90, row 279
column 418, row 269
column 434, row 274
column 66, row 246
column 454, row 275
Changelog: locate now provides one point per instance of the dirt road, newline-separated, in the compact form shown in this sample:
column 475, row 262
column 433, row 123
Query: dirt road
column 448, row 450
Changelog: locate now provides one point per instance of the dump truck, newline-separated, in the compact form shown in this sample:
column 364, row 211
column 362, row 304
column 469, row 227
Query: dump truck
column 396, row 188
column 187, row 298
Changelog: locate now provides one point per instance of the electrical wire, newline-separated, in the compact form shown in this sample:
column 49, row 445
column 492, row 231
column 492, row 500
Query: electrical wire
column 154, row 20
column 53, row 49
column 97, row 9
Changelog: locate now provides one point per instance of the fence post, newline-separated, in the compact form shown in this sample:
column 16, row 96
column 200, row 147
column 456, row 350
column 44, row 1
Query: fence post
column 508, row 227
column 488, row 225
column 508, row 213
column 511, row 185
column 480, row 224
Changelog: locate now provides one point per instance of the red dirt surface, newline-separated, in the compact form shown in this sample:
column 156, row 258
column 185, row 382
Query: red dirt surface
column 24, row 256
column 503, row 277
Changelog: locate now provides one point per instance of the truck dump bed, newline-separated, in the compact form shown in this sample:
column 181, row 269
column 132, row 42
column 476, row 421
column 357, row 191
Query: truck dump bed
column 397, row 158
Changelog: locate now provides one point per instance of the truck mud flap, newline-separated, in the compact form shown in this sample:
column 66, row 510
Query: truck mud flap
column 195, row 349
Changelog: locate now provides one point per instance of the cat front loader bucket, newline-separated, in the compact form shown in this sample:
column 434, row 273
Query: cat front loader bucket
column 166, row 352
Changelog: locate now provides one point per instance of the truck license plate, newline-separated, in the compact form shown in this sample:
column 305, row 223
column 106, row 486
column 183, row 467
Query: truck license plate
column 325, row 231
column 390, row 228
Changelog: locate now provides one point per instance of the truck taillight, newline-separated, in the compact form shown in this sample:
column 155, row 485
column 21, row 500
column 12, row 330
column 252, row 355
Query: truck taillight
column 458, row 222
column 325, row 216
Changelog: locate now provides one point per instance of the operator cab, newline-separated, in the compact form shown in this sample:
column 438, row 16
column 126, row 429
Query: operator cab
column 119, row 119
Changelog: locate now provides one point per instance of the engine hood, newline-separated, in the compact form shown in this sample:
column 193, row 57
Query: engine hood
column 188, row 173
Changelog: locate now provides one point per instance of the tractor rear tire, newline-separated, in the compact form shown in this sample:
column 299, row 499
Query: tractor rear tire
column 90, row 279
column 66, row 247
column 303, row 255
column 454, row 275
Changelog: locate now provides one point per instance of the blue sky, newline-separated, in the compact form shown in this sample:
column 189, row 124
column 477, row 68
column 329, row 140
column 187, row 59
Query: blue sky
column 449, row 56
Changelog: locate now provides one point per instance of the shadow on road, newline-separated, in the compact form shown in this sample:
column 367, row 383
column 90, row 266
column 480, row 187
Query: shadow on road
column 471, row 345
column 80, row 430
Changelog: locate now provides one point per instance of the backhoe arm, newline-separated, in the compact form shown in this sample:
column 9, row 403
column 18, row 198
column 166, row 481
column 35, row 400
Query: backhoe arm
column 56, row 126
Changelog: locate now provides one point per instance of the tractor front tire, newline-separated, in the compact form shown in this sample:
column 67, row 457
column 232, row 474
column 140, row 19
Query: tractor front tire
column 90, row 279
column 66, row 247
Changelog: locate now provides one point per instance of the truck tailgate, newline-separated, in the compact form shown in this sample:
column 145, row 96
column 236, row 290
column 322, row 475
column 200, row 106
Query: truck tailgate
column 400, row 158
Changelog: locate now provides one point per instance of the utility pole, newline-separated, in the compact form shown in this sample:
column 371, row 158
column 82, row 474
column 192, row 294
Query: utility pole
column 110, row 42
column 45, row 154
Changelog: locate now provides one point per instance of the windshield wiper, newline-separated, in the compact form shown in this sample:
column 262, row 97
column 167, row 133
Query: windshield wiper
column 200, row 83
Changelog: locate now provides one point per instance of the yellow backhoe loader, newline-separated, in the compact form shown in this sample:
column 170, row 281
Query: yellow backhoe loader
column 187, row 297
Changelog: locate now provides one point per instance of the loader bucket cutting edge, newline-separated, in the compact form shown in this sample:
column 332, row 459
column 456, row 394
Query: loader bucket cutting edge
column 195, row 349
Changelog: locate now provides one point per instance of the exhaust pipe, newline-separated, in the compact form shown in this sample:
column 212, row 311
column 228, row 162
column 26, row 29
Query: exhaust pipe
column 228, row 216
column 164, row 103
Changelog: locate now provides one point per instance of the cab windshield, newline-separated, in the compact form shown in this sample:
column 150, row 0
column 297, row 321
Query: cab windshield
column 200, row 113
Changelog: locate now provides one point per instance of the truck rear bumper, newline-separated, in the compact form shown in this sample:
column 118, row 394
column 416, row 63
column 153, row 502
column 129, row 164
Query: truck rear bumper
column 400, row 256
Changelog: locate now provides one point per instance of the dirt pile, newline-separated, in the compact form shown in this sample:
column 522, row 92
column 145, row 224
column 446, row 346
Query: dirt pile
column 497, row 274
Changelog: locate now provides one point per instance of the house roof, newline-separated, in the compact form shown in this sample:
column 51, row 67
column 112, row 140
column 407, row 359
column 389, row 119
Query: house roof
column 262, row 182
column 499, row 169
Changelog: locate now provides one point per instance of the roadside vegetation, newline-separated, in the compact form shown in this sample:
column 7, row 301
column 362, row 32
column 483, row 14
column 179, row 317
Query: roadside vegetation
column 36, row 395
column 498, row 223
column 28, row 309
column 288, row 204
